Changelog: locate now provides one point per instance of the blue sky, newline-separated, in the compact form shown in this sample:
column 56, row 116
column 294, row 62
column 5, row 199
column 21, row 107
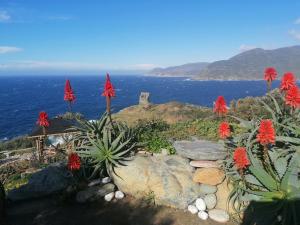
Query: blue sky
column 75, row 36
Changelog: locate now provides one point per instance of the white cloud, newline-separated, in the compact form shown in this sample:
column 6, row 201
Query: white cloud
column 295, row 34
column 244, row 47
column 4, row 16
column 47, row 65
column 297, row 21
column 33, row 65
column 9, row 49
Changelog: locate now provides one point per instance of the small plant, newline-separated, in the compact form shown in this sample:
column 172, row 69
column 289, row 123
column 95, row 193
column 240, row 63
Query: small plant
column 104, row 146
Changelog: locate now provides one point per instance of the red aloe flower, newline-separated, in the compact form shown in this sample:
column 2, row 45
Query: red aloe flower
column 292, row 97
column 69, row 94
column 266, row 133
column 270, row 74
column 43, row 120
column 109, row 90
column 74, row 162
column 224, row 130
column 240, row 158
column 220, row 106
column 288, row 80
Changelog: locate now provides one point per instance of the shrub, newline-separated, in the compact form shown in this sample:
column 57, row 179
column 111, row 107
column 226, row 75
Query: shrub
column 151, row 136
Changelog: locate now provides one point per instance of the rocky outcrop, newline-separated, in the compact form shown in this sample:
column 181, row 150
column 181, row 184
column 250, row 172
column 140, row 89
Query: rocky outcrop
column 53, row 179
column 167, row 178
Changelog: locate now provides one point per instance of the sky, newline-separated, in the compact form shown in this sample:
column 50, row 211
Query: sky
column 132, row 36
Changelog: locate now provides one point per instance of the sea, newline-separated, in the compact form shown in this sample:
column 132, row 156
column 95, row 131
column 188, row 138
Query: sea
column 23, row 97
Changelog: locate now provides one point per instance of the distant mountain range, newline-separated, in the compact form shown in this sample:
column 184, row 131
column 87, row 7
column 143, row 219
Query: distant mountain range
column 248, row 65
column 190, row 69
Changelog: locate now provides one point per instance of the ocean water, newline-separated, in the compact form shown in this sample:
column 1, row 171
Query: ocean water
column 23, row 97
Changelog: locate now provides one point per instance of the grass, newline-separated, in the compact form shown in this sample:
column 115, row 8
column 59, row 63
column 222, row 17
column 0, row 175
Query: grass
column 156, row 134
column 16, row 181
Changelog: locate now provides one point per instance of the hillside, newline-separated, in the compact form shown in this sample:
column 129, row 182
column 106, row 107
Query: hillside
column 251, row 64
column 248, row 65
column 190, row 69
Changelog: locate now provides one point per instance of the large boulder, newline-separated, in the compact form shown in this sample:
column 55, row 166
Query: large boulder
column 53, row 179
column 167, row 178
column 200, row 150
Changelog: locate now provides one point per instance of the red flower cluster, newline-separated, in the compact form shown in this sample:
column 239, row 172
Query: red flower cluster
column 266, row 133
column 240, row 158
column 74, row 162
column 43, row 120
column 270, row 74
column 224, row 130
column 288, row 80
column 220, row 106
column 292, row 97
column 69, row 94
column 109, row 90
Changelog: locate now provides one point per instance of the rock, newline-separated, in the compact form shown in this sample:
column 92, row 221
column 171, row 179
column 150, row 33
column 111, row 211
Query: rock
column 119, row 195
column 204, row 164
column 200, row 150
column 211, row 176
column 208, row 189
column 200, row 204
column 169, row 178
column 53, row 179
column 222, row 194
column 203, row 215
column 108, row 197
column 192, row 209
column 94, row 193
column 95, row 182
column 218, row 215
column 210, row 201
column 164, row 151
column 106, row 180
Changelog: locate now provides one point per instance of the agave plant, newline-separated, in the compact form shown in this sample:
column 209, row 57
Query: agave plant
column 271, row 182
column 103, row 145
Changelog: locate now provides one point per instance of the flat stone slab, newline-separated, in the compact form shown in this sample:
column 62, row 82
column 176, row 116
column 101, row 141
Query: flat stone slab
column 200, row 150
column 205, row 164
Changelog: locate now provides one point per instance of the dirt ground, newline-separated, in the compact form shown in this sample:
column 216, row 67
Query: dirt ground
column 128, row 211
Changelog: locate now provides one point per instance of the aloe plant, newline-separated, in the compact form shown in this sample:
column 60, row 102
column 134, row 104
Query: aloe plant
column 103, row 145
column 273, row 183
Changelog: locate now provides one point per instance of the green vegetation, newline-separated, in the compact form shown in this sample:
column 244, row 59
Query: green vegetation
column 270, row 178
column 104, row 145
column 157, row 134
column 16, row 143
column 16, row 181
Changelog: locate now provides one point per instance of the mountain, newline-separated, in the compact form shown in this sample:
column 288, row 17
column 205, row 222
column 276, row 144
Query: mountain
column 251, row 64
column 190, row 69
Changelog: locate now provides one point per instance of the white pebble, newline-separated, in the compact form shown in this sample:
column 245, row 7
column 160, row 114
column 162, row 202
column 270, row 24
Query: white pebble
column 106, row 180
column 119, row 195
column 200, row 204
column 94, row 182
column 192, row 209
column 109, row 196
column 203, row 215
